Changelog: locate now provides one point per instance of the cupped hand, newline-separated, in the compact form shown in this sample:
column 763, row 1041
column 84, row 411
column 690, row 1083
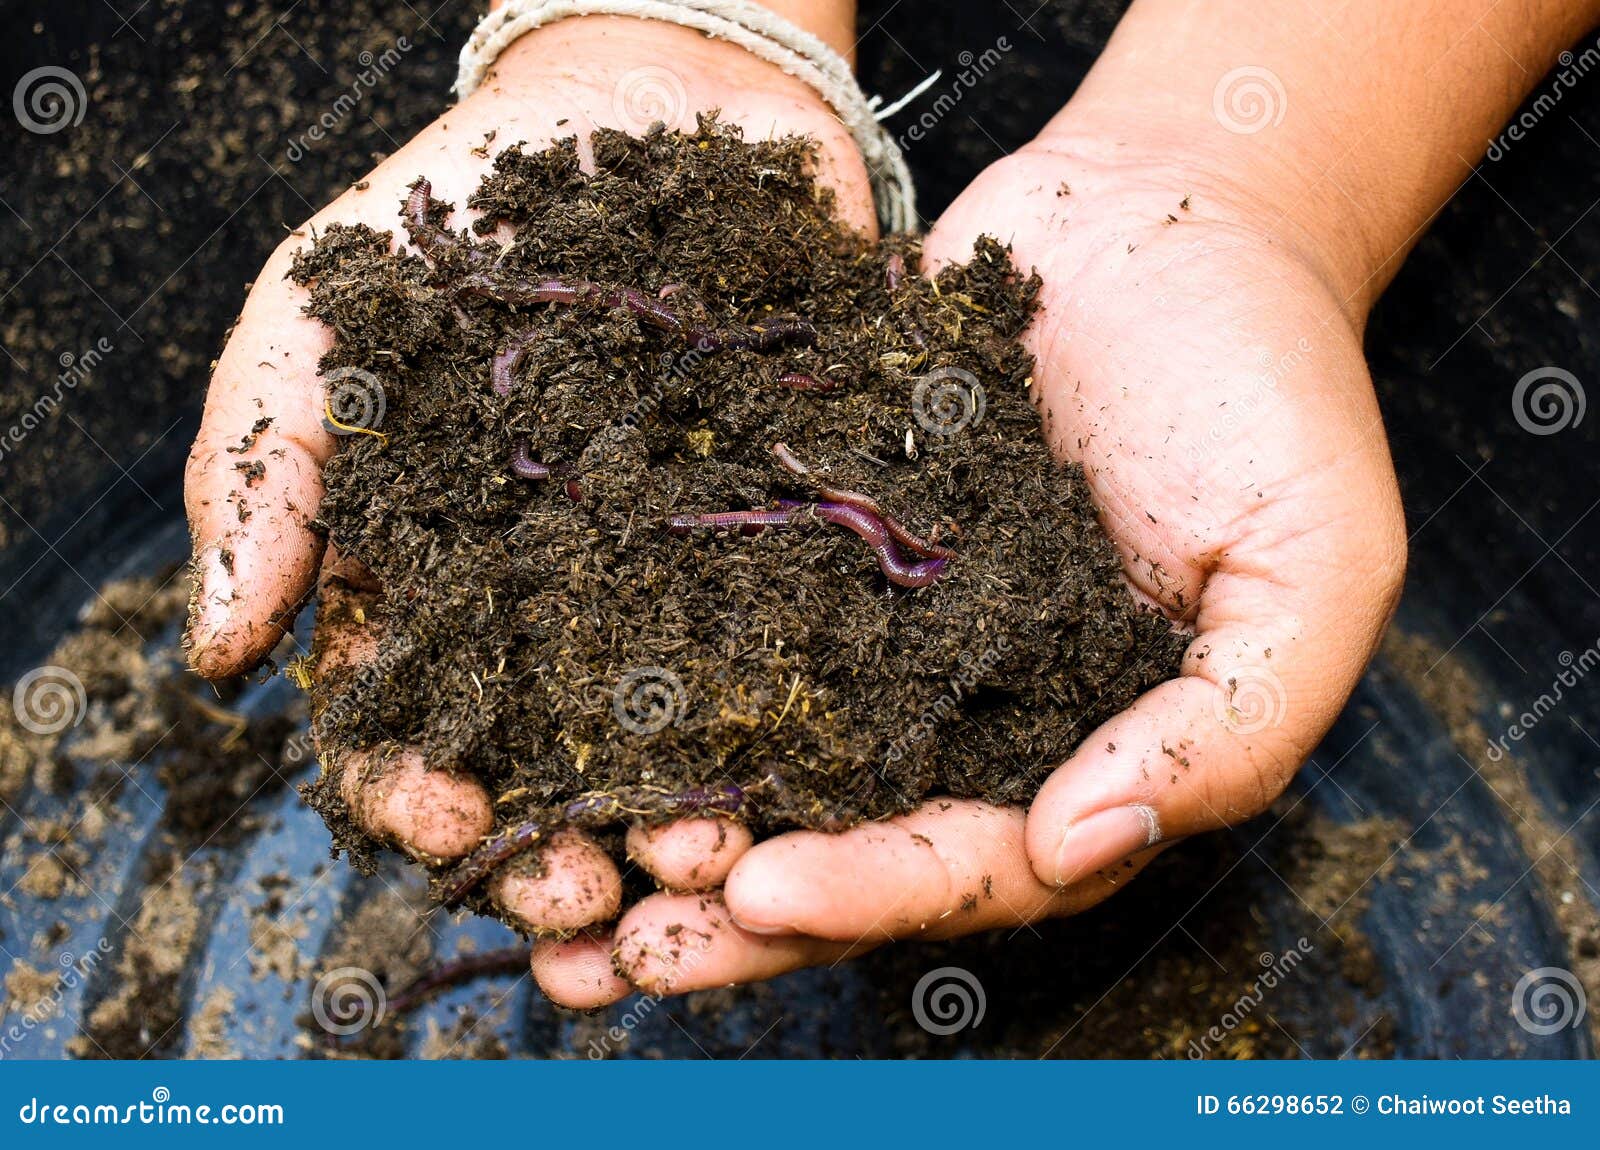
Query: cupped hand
column 1194, row 358
column 253, row 482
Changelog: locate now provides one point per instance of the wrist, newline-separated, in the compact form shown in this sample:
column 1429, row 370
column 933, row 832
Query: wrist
column 591, row 53
column 831, row 21
column 1345, row 131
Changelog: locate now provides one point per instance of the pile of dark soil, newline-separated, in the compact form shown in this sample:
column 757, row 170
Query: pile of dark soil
column 537, row 416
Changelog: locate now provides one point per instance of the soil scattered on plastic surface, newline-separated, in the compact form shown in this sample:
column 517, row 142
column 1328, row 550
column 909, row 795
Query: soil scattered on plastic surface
column 1453, row 692
column 111, row 698
column 535, row 418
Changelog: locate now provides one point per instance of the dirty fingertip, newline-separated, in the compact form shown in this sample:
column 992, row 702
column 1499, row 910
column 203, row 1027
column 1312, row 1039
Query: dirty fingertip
column 433, row 813
column 569, row 885
column 577, row 973
column 691, row 854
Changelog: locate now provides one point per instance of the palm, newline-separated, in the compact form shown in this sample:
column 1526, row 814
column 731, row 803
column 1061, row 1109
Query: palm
column 1202, row 376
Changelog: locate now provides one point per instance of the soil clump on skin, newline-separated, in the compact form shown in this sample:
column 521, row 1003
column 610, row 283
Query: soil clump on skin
column 537, row 412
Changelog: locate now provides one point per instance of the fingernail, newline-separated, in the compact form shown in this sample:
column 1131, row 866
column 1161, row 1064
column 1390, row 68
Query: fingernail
column 1105, row 838
column 761, row 928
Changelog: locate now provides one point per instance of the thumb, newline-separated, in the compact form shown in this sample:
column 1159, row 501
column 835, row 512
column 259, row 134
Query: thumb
column 1283, row 636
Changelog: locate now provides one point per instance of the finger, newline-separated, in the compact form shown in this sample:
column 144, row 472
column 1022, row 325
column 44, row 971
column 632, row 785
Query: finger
column 577, row 973
column 675, row 943
column 390, row 794
column 253, row 481
column 946, row 869
column 348, row 606
column 691, row 854
column 570, row 884
column 1275, row 657
column 393, row 796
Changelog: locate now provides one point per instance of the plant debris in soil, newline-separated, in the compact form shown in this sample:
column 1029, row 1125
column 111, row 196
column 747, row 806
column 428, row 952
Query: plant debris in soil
column 686, row 498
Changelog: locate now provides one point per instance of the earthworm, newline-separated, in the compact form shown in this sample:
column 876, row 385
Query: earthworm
column 652, row 311
column 427, row 235
column 526, row 466
column 432, row 240
column 759, row 337
column 875, row 531
column 522, row 292
column 897, row 530
column 800, row 381
column 508, row 960
column 607, row 806
column 864, row 523
column 597, row 809
column 489, row 857
column 747, row 521
column 506, row 360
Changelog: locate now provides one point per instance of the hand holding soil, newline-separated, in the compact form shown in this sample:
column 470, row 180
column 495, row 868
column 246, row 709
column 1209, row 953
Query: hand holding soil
column 1141, row 345
column 254, row 482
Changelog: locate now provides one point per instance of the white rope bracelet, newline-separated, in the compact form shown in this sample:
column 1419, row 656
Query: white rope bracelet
column 751, row 27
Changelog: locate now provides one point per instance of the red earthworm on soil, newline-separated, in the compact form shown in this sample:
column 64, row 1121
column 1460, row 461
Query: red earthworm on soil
column 429, row 237
column 874, row 529
column 523, row 292
column 897, row 530
column 526, row 466
column 869, row 525
column 747, row 521
column 894, row 268
column 800, row 381
column 506, row 360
